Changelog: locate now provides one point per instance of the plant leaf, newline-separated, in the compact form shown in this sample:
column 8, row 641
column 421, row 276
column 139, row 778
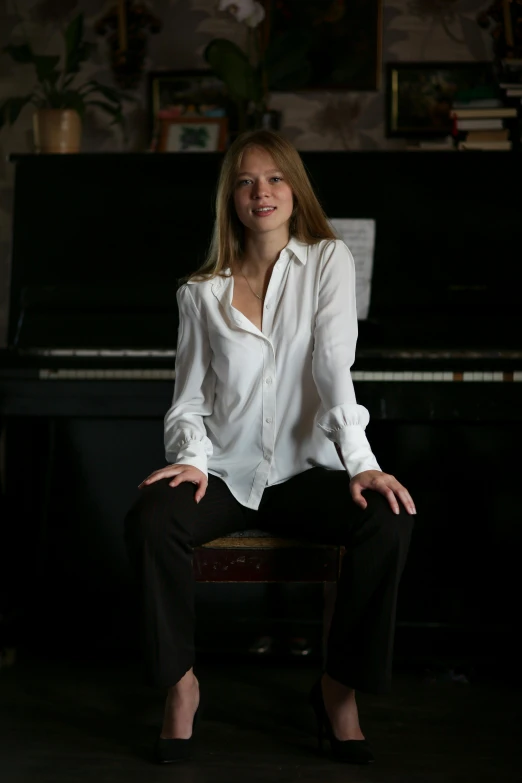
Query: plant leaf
column 108, row 92
column 20, row 54
column 70, row 99
column 45, row 65
column 231, row 64
column 115, row 112
column 73, row 39
column 11, row 108
column 76, row 50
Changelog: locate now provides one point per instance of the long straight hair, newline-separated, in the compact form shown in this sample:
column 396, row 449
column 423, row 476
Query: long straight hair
column 308, row 222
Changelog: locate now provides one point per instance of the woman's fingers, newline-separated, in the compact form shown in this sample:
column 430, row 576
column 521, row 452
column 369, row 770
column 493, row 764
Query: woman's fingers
column 188, row 475
column 181, row 473
column 406, row 500
column 357, row 495
column 388, row 486
column 201, row 491
column 160, row 474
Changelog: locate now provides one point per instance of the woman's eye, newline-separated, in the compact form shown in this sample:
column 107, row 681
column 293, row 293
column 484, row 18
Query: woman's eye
column 278, row 178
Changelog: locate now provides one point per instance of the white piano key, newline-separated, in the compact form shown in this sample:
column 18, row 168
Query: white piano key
column 498, row 376
column 467, row 376
column 427, row 376
column 478, row 376
column 357, row 375
column 398, row 376
column 387, row 376
column 378, row 375
column 408, row 376
column 517, row 376
column 488, row 376
column 438, row 376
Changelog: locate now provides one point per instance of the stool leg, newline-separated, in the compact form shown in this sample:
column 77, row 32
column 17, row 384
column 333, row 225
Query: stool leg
column 329, row 596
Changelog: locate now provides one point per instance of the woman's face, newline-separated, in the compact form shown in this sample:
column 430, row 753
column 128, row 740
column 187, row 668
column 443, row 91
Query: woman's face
column 263, row 200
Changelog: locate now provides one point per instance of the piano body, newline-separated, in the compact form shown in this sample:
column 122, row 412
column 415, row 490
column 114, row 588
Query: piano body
column 99, row 243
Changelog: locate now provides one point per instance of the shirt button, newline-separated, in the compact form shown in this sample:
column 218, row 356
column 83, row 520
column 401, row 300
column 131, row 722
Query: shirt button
column 267, row 307
column 268, row 380
column 269, row 420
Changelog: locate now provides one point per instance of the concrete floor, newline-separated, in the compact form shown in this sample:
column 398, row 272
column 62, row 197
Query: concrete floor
column 66, row 721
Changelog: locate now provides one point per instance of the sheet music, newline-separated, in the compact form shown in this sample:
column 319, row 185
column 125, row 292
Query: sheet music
column 359, row 235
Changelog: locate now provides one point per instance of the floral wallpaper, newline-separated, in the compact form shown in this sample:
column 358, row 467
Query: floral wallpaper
column 412, row 30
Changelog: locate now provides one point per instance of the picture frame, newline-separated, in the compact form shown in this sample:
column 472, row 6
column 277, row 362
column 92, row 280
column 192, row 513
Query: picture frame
column 190, row 92
column 340, row 44
column 419, row 95
column 193, row 134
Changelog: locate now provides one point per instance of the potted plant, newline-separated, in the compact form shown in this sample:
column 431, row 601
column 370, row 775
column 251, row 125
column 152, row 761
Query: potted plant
column 265, row 65
column 61, row 104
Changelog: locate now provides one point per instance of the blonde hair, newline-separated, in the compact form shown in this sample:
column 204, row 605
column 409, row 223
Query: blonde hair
column 308, row 222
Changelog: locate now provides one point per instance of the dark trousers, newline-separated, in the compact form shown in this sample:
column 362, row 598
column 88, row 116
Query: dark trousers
column 165, row 523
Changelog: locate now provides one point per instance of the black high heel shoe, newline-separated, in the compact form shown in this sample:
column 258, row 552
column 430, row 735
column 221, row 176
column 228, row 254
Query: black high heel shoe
column 348, row 751
column 167, row 751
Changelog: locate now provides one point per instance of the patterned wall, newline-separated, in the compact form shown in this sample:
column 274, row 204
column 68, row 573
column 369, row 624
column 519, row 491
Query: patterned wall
column 412, row 30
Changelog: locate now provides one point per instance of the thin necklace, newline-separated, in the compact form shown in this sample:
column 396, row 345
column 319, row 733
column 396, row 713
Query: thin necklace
column 248, row 284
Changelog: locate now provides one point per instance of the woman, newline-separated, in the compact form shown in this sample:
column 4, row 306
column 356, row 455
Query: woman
column 265, row 424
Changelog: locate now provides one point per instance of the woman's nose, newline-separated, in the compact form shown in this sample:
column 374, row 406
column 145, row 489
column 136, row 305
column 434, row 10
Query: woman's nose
column 259, row 189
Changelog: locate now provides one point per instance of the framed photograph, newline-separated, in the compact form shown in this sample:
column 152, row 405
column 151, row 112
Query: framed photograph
column 327, row 45
column 193, row 134
column 194, row 93
column 419, row 96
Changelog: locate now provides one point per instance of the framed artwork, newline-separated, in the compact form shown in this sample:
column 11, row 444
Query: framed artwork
column 320, row 45
column 419, row 96
column 192, row 134
column 194, row 93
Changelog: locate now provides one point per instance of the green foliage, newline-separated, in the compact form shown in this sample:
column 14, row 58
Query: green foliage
column 231, row 64
column 54, row 88
column 284, row 65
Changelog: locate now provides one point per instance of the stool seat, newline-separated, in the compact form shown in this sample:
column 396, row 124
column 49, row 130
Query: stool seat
column 259, row 556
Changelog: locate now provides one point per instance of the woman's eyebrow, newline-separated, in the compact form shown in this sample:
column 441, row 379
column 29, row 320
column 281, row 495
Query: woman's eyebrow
column 244, row 173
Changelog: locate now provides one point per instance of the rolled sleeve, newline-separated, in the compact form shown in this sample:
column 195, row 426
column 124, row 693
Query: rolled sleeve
column 335, row 337
column 185, row 435
column 345, row 425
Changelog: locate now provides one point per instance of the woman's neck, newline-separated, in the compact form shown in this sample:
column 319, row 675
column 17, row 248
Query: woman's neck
column 261, row 252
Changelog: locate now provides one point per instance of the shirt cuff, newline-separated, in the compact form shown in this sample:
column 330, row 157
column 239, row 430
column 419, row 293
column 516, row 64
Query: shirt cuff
column 356, row 450
column 345, row 425
column 192, row 452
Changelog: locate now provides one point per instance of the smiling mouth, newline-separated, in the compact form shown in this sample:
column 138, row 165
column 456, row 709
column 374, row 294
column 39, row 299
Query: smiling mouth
column 264, row 210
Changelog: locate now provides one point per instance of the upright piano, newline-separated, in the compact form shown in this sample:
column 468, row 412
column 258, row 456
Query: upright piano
column 99, row 244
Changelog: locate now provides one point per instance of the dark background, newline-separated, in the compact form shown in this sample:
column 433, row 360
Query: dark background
column 444, row 251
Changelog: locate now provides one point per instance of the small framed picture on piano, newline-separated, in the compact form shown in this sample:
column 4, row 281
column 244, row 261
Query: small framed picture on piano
column 193, row 134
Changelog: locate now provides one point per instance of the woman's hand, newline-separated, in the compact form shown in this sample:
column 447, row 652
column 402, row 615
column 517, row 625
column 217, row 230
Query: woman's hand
column 385, row 484
column 182, row 473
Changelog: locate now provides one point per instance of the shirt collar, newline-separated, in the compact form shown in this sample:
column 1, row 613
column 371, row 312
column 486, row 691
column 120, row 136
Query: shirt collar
column 299, row 249
column 294, row 246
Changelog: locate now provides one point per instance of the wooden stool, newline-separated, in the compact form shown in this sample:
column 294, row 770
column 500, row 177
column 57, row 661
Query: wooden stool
column 258, row 556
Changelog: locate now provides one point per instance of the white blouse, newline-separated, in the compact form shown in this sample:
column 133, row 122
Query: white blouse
column 258, row 407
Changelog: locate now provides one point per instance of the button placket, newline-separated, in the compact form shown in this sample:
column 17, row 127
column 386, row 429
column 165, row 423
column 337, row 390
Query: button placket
column 269, row 401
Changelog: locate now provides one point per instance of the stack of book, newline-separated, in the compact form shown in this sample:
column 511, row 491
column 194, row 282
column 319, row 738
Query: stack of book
column 483, row 124
column 511, row 84
column 511, row 81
